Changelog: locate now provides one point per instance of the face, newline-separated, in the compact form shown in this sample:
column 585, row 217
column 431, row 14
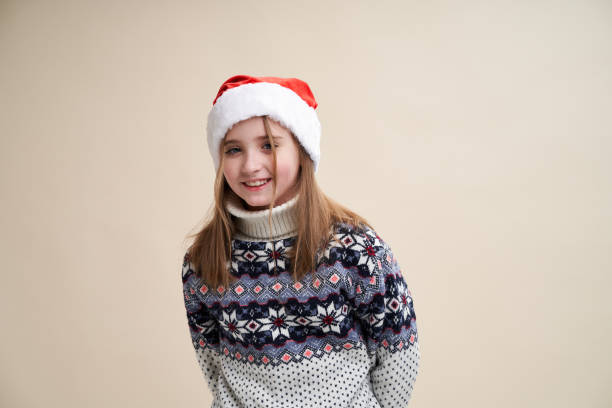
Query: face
column 248, row 158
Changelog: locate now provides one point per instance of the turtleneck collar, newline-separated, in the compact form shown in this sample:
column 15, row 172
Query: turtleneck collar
column 253, row 225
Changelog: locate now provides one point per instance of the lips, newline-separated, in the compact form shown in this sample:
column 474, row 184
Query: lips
column 255, row 180
column 259, row 187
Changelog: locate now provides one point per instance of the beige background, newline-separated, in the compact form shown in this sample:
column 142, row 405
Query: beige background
column 474, row 135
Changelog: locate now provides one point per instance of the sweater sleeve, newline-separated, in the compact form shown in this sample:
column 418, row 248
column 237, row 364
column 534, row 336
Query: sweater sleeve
column 384, row 308
column 202, row 327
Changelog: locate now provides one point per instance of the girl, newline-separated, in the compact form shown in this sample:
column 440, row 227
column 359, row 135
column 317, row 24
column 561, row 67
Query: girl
column 292, row 300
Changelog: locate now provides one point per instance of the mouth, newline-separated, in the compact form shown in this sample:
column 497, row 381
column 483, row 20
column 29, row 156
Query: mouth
column 256, row 184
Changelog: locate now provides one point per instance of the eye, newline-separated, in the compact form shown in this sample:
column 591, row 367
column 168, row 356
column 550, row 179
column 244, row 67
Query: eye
column 231, row 151
column 267, row 146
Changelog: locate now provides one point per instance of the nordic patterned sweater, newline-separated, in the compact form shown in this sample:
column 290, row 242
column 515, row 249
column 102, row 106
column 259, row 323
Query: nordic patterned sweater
column 343, row 336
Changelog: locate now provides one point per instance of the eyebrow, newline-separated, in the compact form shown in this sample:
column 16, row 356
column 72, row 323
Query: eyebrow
column 274, row 137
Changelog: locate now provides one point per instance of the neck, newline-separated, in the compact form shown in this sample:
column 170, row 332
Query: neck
column 253, row 225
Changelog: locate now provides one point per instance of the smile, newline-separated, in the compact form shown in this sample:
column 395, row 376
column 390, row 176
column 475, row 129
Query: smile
column 257, row 184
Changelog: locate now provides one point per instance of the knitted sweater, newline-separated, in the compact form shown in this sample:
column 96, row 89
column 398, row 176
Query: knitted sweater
column 343, row 336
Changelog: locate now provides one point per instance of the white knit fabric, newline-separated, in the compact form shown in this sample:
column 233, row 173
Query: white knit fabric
column 253, row 225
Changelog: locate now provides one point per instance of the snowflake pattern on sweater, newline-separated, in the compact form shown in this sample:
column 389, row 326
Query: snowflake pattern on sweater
column 356, row 301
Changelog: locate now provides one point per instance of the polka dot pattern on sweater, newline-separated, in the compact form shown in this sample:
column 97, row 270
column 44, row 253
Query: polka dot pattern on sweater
column 336, row 380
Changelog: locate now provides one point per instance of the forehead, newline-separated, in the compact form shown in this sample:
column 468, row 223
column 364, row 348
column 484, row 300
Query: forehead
column 253, row 129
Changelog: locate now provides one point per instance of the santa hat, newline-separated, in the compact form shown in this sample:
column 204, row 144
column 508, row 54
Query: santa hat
column 286, row 100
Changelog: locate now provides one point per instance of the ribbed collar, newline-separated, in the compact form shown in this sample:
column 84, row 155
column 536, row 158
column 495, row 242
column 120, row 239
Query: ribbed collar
column 253, row 225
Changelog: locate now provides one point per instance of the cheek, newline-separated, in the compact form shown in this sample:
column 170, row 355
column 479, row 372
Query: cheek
column 287, row 171
column 228, row 174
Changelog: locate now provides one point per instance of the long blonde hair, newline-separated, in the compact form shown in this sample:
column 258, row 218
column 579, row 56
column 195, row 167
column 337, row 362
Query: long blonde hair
column 316, row 213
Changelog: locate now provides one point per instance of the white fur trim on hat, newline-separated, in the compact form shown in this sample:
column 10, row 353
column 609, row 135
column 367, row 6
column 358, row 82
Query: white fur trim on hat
column 264, row 98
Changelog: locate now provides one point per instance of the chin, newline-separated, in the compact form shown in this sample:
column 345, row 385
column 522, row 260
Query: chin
column 258, row 203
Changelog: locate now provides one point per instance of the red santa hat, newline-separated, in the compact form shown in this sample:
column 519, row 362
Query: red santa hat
column 286, row 100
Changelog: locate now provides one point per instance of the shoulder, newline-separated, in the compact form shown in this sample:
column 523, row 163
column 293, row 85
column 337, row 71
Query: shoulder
column 187, row 266
column 188, row 270
column 358, row 235
column 358, row 248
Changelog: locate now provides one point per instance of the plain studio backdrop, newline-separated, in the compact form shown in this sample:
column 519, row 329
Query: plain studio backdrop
column 474, row 135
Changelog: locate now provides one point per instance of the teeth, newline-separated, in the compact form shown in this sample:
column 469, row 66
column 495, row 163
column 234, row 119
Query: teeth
column 256, row 183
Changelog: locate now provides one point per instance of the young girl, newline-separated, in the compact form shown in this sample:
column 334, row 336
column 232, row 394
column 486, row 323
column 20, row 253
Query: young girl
column 292, row 300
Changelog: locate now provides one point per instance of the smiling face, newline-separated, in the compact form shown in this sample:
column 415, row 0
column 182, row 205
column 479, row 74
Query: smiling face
column 248, row 163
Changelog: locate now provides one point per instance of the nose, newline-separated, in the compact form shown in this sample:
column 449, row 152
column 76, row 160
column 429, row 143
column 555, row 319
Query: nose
column 253, row 162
